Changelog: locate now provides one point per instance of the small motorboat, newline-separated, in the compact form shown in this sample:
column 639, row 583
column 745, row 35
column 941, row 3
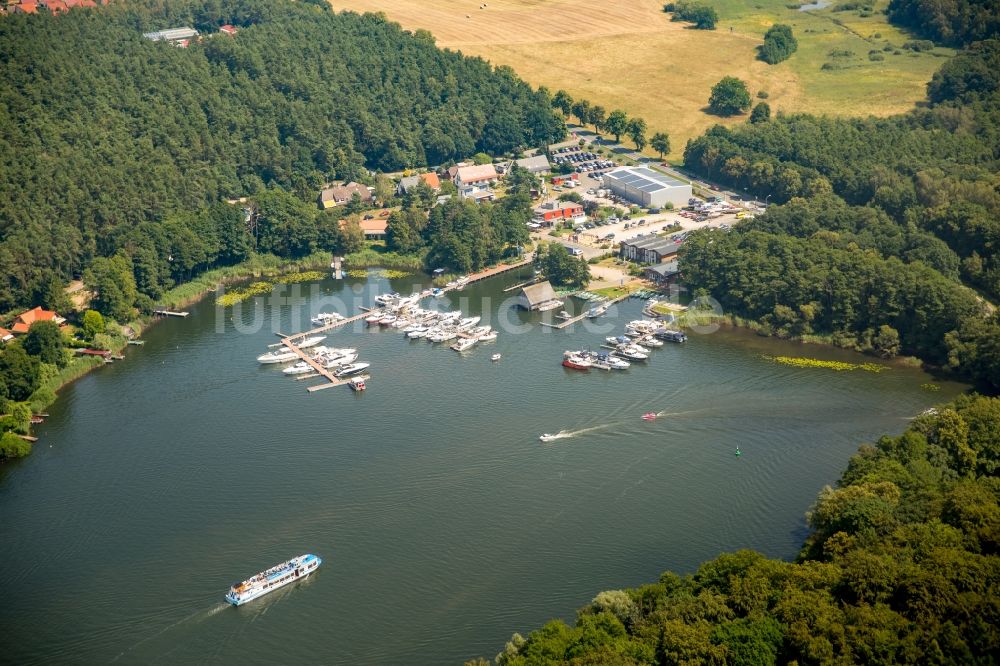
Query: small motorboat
column 649, row 416
column 373, row 319
column 576, row 363
column 548, row 438
column 738, row 452
column 488, row 337
column 351, row 369
column 464, row 344
column 325, row 318
column 495, row 358
column 598, row 311
column 564, row 315
column 357, row 384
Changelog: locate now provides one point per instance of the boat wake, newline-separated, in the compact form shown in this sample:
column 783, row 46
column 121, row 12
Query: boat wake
column 566, row 434
column 197, row 616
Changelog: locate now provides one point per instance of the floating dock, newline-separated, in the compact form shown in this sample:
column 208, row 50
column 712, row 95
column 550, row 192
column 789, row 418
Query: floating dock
column 572, row 320
column 163, row 312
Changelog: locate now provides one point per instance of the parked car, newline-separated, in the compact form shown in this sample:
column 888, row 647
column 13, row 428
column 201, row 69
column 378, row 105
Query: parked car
column 576, row 252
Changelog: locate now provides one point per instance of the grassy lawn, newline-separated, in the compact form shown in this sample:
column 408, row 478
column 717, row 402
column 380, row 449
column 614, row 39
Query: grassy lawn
column 628, row 55
column 615, row 292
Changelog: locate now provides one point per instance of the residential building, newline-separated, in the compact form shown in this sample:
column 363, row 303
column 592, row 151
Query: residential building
column 534, row 295
column 409, row 182
column 228, row 30
column 476, row 193
column 662, row 273
column 26, row 7
column 171, row 35
column 23, row 321
column 342, row 194
column 648, row 249
column 477, row 175
column 647, row 188
column 535, row 164
column 374, row 229
column 5, row 335
column 550, row 213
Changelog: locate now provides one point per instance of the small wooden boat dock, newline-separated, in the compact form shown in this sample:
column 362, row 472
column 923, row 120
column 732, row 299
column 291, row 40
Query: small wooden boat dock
column 492, row 272
column 572, row 320
column 320, row 371
column 163, row 312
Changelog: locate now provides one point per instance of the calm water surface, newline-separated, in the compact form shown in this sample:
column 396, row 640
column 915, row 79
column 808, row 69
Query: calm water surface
column 444, row 523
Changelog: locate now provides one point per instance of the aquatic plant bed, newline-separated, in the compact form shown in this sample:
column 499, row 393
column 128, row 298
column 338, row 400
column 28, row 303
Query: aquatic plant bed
column 838, row 366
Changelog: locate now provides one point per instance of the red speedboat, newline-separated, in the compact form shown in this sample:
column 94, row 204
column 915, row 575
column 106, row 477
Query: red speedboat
column 576, row 363
column 649, row 416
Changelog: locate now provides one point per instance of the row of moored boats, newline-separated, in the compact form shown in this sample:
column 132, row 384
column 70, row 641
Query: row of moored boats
column 341, row 362
column 641, row 337
column 432, row 325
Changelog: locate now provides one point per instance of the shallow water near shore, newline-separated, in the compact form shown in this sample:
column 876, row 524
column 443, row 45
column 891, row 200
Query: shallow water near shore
column 444, row 523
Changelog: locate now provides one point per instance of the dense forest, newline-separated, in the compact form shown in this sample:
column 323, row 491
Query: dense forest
column 882, row 222
column 950, row 22
column 901, row 567
column 115, row 144
column 461, row 235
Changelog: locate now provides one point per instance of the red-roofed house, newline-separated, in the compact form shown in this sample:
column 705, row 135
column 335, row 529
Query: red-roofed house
column 26, row 7
column 228, row 30
column 23, row 321
column 373, row 229
column 409, row 182
column 5, row 335
column 56, row 6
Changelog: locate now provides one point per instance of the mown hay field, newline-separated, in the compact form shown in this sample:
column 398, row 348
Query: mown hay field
column 628, row 54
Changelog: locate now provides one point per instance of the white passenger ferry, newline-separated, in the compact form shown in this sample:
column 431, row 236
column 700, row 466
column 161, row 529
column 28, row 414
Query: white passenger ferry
column 272, row 579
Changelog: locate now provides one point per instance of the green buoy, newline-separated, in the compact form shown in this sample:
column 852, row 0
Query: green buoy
column 738, row 452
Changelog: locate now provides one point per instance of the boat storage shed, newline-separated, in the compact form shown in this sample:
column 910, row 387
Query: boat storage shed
column 535, row 294
column 647, row 188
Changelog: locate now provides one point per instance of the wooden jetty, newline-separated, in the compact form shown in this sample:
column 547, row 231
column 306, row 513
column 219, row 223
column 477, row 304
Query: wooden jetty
column 572, row 320
column 137, row 343
column 320, row 371
column 338, row 381
column 163, row 312
column 491, row 272
column 519, row 285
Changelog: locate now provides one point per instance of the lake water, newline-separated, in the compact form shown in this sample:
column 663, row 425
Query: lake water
column 445, row 525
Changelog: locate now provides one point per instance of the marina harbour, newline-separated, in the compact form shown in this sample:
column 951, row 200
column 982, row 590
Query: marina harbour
column 443, row 522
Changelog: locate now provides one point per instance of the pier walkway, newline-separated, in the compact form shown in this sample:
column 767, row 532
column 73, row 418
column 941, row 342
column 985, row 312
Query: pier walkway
column 572, row 320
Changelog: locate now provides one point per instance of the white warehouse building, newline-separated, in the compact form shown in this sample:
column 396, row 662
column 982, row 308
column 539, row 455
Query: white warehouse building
column 647, row 188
